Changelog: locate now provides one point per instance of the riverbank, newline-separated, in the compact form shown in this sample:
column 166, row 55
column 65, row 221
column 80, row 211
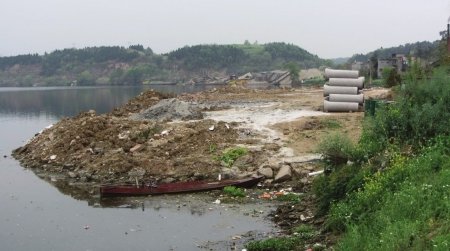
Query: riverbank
column 167, row 139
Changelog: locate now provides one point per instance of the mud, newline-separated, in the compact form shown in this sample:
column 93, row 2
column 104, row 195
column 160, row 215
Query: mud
column 164, row 138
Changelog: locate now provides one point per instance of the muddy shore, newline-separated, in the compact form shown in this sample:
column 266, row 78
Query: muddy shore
column 164, row 138
column 167, row 139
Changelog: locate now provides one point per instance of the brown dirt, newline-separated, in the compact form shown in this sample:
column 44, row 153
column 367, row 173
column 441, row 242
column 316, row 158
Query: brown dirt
column 113, row 148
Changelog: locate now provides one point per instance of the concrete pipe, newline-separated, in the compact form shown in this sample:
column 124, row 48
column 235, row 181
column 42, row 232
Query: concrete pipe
column 327, row 90
column 330, row 73
column 356, row 82
column 359, row 98
column 329, row 106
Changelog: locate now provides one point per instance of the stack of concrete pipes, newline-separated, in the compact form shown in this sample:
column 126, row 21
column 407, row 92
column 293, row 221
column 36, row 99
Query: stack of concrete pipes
column 342, row 91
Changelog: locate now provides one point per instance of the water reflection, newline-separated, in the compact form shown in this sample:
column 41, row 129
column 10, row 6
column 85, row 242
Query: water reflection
column 69, row 101
column 62, row 216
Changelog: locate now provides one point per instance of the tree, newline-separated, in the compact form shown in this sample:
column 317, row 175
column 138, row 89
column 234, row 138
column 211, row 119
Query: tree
column 293, row 69
column 391, row 77
column 85, row 78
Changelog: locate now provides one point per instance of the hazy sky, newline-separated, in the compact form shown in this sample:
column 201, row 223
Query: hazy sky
column 328, row 28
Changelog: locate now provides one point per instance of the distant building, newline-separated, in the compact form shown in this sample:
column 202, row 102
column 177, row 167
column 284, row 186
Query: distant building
column 397, row 61
column 357, row 66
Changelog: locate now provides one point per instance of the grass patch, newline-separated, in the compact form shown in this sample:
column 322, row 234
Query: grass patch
column 229, row 156
column 304, row 232
column 275, row 244
column 234, row 191
column 331, row 124
column 289, row 197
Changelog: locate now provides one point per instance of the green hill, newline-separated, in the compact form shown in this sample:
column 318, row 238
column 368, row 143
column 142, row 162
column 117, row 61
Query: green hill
column 425, row 50
column 136, row 65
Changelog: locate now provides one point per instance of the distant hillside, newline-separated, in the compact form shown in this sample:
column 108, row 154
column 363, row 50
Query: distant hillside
column 114, row 65
column 338, row 61
column 425, row 50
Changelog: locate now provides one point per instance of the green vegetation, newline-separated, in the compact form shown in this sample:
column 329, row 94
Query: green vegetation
column 134, row 65
column 330, row 123
column 424, row 50
column 294, row 70
column 234, row 191
column 276, row 244
column 230, row 155
column 394, row 194
column 304, row 232
column 289, row 197
column 390, row 77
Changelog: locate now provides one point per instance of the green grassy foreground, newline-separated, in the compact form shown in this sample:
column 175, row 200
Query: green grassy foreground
column 391, row 190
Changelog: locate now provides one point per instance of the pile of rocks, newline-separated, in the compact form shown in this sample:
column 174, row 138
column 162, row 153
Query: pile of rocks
column 342, row 92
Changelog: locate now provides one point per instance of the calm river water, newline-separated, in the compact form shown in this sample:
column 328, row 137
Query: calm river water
column 35, row 215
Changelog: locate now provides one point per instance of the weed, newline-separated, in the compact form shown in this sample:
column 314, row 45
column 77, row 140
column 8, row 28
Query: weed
column 229, row 156
column 234, row 191
column 147, row 133
column 331, row 124
column 304, row 232
column 212, row 148
column 336, row 149
column 289, row 197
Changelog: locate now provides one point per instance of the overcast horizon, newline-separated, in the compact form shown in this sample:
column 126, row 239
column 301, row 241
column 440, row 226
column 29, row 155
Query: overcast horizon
column 329, row 29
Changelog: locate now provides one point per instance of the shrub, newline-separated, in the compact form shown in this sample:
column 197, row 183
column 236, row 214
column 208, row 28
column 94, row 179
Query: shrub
column 234, row 191
column 335, row 186
column 391, row 77
column 289, row 197
column 336, row 149
column 229, row 156
column 304, row 232
column 400, row 207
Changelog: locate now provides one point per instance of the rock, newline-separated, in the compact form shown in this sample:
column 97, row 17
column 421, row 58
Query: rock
column 136, row 172
column 271, row 147
column 268, row 182
column 137, row 148
column 72, row 175
column 243, row 161
column 98, row 150
column 272, row 163
column 266, row 172
column 229, row 173
column 68, row 166
column 158, row 143
column 302, row 159
column 168, row 180
column 284, row 174
column 304, row 181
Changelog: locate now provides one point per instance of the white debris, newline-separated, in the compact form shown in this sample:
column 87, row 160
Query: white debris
column 53, row 157
column 165, row 132
column 211, row 128
column 315, row 173
column 216, row 202
column 124, row 135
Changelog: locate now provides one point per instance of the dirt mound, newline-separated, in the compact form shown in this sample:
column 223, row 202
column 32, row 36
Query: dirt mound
column 109, row 149
column 140, row 102
column 170, row 109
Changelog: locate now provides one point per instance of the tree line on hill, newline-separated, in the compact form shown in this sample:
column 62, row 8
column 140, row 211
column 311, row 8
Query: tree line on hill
column 136, row 65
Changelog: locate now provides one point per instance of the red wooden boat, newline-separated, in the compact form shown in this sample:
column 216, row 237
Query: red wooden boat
column 177, row 187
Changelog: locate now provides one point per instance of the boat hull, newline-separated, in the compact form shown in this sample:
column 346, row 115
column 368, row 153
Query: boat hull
column 177, row 187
